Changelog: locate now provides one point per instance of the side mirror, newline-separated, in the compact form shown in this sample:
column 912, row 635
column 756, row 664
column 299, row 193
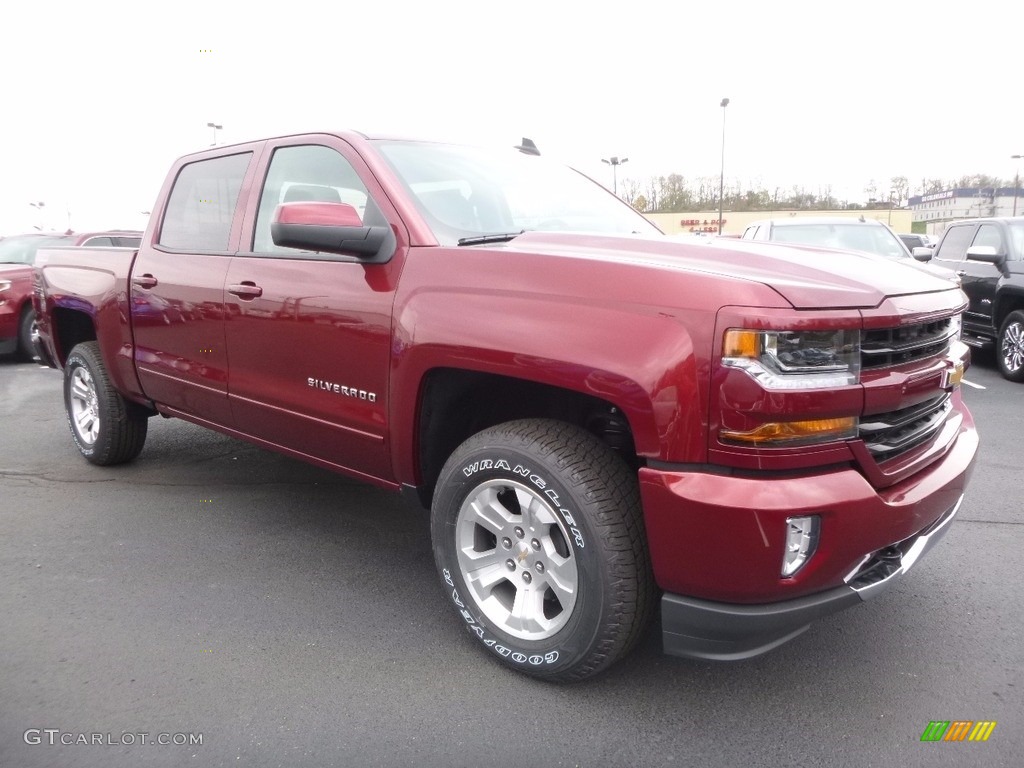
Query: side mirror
column 987, row 254
column 921, row 253
column 331, row 228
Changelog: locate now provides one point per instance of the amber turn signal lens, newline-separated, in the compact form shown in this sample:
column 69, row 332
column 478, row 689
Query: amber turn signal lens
column 786, row 431
column 739, row 343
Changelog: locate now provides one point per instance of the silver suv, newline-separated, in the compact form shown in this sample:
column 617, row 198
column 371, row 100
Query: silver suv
column 864, row 235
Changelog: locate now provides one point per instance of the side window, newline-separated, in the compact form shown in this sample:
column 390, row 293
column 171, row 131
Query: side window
column 954, row 244
column 309, row 172
column 201, row 207
column 97, row 241
column 988, row 234
column 750, row 233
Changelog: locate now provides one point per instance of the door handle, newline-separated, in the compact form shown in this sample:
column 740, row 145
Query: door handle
column 961, row 272
column 145, row 281
column 246, row 289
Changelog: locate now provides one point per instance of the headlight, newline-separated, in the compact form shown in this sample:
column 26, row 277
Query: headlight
column 795, row 359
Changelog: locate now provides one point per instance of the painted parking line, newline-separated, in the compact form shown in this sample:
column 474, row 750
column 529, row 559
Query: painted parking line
column 972, row 384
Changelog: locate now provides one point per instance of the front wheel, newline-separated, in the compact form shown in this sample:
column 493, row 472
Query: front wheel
column 539, row 538
column 106, row 428
column 28, row 333
column 1010, row 352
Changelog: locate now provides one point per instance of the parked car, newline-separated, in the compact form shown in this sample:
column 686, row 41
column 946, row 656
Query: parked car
column 17, row 255
column 17, row 317
column 913, row 241
column 988, row 254
column 603, row 421
column 864, row 235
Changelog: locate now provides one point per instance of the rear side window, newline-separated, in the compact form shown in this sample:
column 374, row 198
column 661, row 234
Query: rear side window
column 201, row 207
column 954, row 244
column 93, row 242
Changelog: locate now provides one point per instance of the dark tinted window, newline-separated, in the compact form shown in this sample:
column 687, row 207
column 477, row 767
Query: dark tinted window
column 954, row 244
column 202, row 204
column 988, row 234
column 127, row 242
column 308, row 173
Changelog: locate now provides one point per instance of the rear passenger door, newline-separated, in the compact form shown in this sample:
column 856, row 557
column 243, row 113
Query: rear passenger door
column 177, row 285
column 309, row 334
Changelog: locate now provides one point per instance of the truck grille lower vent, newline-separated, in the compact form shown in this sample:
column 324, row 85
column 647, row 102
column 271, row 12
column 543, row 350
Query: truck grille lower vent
column 892, row 346
column 887, row 435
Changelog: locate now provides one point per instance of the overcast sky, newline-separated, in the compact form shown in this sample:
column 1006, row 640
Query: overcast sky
column 97, row 98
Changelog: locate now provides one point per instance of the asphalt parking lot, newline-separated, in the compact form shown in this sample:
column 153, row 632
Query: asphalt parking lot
column 290, row 616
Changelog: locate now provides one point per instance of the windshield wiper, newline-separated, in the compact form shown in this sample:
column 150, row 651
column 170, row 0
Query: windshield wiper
column 497, row 237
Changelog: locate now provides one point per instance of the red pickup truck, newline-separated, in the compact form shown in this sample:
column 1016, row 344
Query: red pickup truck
column 601, row 420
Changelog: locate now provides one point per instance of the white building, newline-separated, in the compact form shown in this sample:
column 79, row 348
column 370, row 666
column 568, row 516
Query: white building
column 931, row 213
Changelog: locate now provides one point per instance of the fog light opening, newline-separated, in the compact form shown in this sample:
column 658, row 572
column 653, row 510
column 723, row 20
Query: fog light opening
column 801, row 541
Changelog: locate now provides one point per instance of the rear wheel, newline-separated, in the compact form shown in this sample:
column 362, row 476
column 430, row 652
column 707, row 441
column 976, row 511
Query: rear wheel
column 106, row 428
column 1010, row 352
column 539, row 538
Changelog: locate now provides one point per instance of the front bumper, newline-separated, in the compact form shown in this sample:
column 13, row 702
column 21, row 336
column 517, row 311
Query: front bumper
column 703, row 629
column 717, row 541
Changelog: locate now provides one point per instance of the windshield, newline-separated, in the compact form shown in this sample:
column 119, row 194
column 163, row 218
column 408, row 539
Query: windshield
column 22, row 250
column 852, row 237
column 465, row 192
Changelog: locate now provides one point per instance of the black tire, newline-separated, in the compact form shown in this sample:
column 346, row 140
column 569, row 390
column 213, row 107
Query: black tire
column 26, row 345
column 1010, row 347
column 583, row 517
column 109, row 429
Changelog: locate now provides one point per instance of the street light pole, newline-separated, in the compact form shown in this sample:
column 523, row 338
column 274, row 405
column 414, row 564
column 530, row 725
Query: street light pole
column 1016, row 182
column 721, row 178
column 615, row 162
column 215, row 129
column 39, row 207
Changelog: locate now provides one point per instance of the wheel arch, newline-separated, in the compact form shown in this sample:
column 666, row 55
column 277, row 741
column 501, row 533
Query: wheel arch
column 1009, row 300
column 455, row 403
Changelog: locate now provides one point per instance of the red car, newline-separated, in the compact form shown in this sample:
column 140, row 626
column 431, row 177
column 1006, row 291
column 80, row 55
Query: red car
column 17, row 255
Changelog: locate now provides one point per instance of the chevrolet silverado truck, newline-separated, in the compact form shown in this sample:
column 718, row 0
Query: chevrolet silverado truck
column 602, row 421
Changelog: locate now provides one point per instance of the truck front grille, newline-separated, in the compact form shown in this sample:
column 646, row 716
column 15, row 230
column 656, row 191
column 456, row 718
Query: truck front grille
column 887, row 435
column 892, row 346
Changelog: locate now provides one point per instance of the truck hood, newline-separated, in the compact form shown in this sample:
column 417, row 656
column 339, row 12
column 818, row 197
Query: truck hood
column 808, row 278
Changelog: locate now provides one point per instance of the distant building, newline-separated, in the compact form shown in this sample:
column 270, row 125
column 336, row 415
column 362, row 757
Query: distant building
column 931, row 213
column 734, row 222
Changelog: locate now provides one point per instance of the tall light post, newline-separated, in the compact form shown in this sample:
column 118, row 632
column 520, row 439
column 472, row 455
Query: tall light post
column 615, row 162
column 721, row 179
column 1016, row 181
column 215, row 129
column 39, row 207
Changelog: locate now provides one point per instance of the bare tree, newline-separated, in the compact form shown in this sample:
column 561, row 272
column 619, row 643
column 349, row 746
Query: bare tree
column 899, row 187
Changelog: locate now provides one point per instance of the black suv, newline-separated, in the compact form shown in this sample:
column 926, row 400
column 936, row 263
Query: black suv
column 988, row 254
